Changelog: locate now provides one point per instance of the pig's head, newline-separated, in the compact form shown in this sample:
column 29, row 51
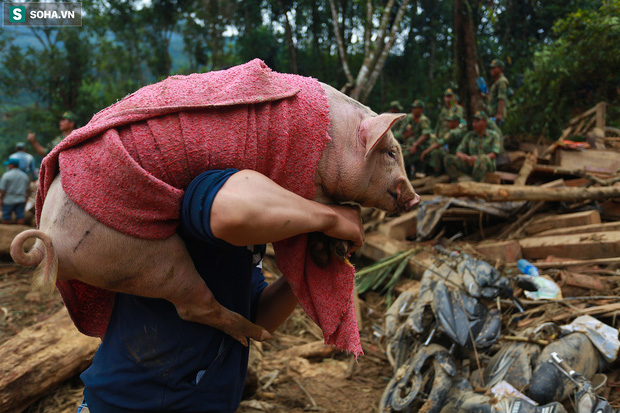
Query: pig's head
column 363, row 163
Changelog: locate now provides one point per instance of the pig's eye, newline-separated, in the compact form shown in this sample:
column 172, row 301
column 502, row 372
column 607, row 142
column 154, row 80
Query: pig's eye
column 392, row 154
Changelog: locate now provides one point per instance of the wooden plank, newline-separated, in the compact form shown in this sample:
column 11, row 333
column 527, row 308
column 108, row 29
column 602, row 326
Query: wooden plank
column 576, row 246
column 599, row 158
column 401, row 227
column 583, row 229
column 601, row 108
column 378, row 246
column 585, row 114
column 40, row 358
column 507, row 251
column 563, row 221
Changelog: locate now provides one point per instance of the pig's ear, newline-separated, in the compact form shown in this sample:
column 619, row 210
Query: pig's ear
column 373, row 130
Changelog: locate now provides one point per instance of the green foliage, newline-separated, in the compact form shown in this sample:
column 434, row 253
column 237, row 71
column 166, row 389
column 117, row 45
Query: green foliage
column 383, row 275
column 571, row 74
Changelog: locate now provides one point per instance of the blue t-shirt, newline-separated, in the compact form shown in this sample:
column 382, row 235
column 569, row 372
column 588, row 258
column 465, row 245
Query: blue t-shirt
column 150, row 359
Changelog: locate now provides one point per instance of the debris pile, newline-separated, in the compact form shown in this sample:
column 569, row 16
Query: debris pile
column 462, row 341
column 514, row 289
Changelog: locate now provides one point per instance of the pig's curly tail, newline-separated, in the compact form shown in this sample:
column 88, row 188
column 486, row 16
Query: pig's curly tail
column 41, row 254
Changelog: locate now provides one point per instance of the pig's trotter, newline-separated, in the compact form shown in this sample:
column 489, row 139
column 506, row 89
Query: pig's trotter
column 322, row 247
column 212, row 313
column 42, row 254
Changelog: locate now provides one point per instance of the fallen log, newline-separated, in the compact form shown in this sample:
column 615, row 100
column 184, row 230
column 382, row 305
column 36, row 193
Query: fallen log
column 40, row 358
column 499, row 193
column 8, row 232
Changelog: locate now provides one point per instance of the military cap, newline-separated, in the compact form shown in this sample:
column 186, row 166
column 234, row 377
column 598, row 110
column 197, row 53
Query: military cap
column 417, row 104
column 448, row 92
column 396, row 104
column 497, row 63
column 69, row 116
column 481, row 114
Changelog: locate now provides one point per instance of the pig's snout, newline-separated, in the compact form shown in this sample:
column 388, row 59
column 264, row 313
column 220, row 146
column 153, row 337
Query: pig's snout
column 405, row 195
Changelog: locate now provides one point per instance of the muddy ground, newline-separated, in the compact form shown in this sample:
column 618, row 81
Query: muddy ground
column 326, row 382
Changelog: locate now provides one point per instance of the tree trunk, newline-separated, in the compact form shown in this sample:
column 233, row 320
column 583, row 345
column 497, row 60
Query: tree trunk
column 359, row 88
column 492, row 192
column 465, row 53
column 40, row 358
column 292, row 52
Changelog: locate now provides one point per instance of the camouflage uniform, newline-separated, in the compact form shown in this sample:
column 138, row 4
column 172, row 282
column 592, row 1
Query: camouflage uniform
column 499, row 90
column 420, row 127
column 447, row 143
column 480, row 146
column 442, row 123
column 400, row 128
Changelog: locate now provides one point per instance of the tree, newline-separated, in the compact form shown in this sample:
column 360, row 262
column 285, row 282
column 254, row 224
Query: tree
column 375, row 52
column 571, row 74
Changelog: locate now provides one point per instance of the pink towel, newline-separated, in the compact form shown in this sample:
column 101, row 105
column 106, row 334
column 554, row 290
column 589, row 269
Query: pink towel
column 129, row 167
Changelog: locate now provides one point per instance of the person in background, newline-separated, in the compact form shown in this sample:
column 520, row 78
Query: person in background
column 66, row 124
column 14, row 187
column 477, row 152
column 450, row 105
column 418, row 134
column 399, row 128
column 498, row 93
column 445, row 144
column 26, row 161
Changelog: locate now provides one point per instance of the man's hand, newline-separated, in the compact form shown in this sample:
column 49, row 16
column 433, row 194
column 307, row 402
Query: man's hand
column 348, row 226
column 423, row 154
column 32, row 137
column 413, row 149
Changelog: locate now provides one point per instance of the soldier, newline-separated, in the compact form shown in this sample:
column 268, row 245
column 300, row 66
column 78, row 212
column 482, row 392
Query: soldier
column 395, row 107
column 399, row 128
column 450, row 105
column 498, row 94
column 446, row 144
column 418, row 135
column 476, row 154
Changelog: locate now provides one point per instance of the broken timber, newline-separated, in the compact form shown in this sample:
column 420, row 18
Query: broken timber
column 40, row 358
column 501, row 193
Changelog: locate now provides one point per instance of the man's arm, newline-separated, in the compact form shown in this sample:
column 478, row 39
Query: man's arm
column 252, row 209
column 276, row 303
column 32, row 138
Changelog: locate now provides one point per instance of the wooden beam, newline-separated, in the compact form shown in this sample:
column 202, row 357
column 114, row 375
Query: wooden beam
column 500, row 193
column 582, row 229
column 563, row 221
column 507, row 251
column 401, row 227
column 601, row 109
column 528, row 165
column 576, row 246
column 40, row 358
column 600, row 158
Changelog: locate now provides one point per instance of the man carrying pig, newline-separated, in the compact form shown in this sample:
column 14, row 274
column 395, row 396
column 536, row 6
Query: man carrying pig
column 112, row 217
column 150, row 359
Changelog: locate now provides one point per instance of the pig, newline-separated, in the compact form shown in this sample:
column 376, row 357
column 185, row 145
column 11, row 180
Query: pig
column 361, row 164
